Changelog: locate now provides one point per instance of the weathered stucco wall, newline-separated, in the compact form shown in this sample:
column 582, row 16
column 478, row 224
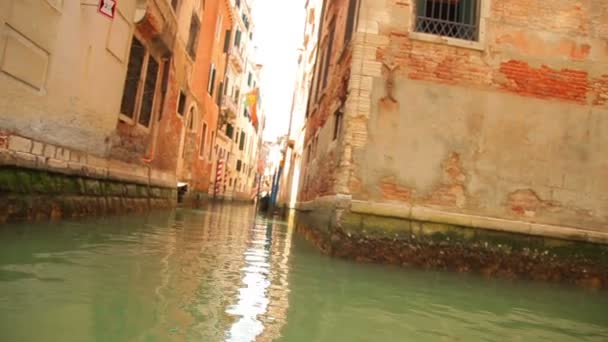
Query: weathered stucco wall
column 514, row 126
column 52, row 52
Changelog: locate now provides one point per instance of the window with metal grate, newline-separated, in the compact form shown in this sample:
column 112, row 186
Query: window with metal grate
column 450, row 18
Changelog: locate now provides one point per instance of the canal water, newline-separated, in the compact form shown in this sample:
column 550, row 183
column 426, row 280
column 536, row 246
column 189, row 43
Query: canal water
column 223, row 274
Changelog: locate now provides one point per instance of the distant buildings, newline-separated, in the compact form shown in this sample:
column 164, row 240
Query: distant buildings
column 124, row 108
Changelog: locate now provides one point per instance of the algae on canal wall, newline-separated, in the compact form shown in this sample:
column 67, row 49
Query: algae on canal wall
column 422, row 237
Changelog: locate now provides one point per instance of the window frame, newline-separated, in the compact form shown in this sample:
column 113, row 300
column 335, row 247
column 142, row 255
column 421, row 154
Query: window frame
column 203, row 141
column 480, row 44
column 141, row 83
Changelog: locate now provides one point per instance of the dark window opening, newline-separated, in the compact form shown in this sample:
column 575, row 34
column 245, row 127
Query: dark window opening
column 237, row 38
column 220, row 93
column 164, row 86
column 211, row 84
column 136, row 61
column 195, row 26
column 227, row 41
column 147, row 102
column 238, row 3
column 229, row 130
column 249, row 79
column 450, row 18
column 350, row 20
column 238, row 165
column 242, row 142
column 203, row 140
column 181, row 104
column 337, row 123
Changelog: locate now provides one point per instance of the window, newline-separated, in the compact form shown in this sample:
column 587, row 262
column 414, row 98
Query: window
column 237, row 38
column 236, row 136
column 140, row 85
column 211, row 84
column 242, row 141
column 192, row 120
column 308, row 153
column 229, row 130
column 203, row 140
column 238, row 3
column 147, row 101
column 195, row 26
column 136, row 63
column 227, row 40
column 332, row 28
column 181, row 104
column 337, row 123
column 164, row 85
column 220, row 92
column 238, row 165
column 218, row 28
column 212, row 137
column 227, row 84
column 249, row 79
column 450, row 18
column 350, row 20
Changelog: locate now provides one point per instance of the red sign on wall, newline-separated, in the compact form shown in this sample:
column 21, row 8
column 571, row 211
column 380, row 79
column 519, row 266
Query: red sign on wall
column 107, row 8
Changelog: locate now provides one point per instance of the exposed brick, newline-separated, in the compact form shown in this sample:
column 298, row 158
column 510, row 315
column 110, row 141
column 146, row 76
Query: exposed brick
column 545, row 82
column 20, row 144
column 392, row 191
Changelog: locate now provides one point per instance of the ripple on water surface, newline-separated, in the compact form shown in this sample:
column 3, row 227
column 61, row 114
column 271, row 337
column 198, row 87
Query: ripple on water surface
column 224, row 275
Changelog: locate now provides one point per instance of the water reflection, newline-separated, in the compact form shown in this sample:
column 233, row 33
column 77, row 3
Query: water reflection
column 223, row 274
column 263, row 299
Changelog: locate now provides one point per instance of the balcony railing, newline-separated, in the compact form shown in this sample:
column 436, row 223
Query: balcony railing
column 229, row 104
column 236, row 58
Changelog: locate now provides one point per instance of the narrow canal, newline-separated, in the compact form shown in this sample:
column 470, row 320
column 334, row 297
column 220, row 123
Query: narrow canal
column 223, row 275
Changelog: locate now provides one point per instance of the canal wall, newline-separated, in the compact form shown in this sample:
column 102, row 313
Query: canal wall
column 425, row 237
column 40, row 181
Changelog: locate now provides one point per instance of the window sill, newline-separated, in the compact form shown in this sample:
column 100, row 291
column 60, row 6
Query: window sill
column 467, row 44
column 126, row 119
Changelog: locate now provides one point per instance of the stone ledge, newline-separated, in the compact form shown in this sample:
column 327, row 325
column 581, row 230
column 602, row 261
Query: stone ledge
column 425, row 214
column 28, row 153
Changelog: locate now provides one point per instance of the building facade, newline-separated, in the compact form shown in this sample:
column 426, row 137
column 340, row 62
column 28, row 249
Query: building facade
column 108, row 111
column 241, row 126
column 482, row 114
column 295, row 143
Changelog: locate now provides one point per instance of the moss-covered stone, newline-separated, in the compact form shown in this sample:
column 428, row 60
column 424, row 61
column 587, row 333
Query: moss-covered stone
column 142, row 191
column 93, row 187
column 9, row 182
column 44, row 183
column 385, row 227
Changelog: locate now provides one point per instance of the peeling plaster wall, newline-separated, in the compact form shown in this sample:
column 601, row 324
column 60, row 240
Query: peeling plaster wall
column 515, row 126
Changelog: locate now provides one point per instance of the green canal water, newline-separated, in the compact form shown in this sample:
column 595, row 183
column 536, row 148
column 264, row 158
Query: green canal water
column 224, row 275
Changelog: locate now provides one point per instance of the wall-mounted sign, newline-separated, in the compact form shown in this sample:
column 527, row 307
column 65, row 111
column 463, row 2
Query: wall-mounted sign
column 107, row 8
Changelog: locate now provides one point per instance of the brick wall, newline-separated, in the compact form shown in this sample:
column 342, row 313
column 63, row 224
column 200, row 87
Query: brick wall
column 511, row 126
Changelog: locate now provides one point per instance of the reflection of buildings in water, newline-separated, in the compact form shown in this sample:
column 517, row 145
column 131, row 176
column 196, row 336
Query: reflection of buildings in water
column 263, row 300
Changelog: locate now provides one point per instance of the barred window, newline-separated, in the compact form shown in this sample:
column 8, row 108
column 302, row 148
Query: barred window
column 450, row 18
